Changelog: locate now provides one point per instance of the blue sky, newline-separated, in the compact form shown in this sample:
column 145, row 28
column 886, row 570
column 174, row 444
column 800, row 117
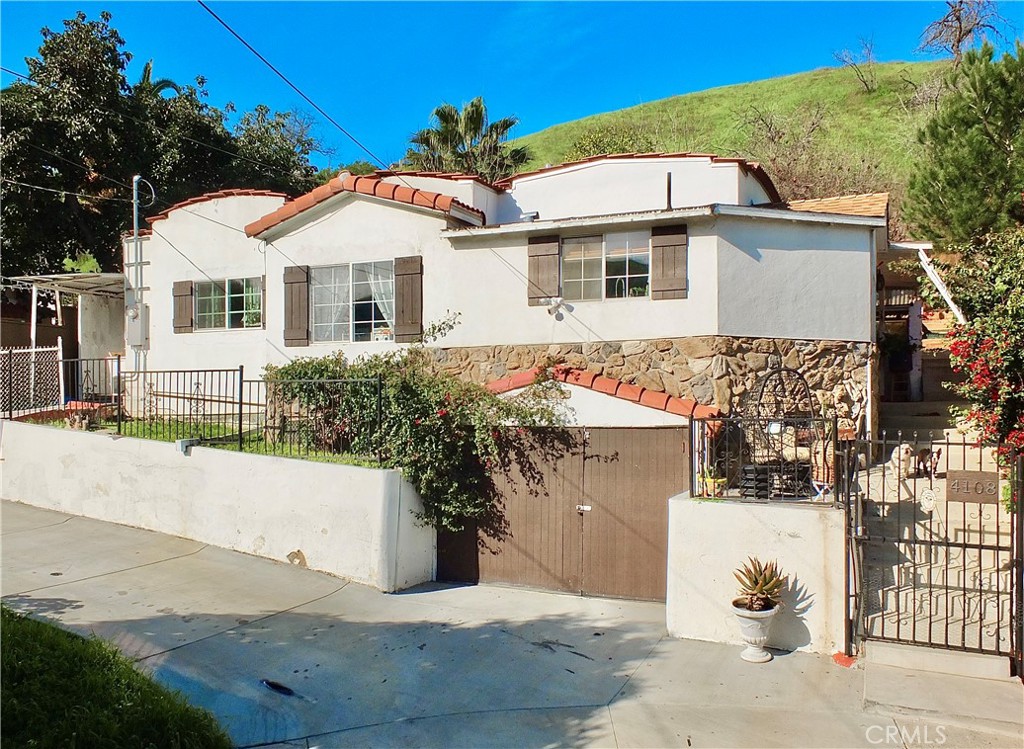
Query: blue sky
column 379, row 68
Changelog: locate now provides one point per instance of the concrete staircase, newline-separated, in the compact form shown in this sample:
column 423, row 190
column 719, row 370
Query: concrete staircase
column 922, row 417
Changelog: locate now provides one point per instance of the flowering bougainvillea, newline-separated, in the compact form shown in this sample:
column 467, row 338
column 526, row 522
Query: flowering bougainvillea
column 986, row 280
column 447, row 436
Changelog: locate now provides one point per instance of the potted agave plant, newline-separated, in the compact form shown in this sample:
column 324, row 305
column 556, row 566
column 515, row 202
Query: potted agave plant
column 759, row 600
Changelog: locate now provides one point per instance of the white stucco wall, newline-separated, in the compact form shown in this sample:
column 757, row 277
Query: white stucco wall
column 787, row 279
column 709, row 540
column 100, row 326
column 357, row 523
column 187, row 247
column 780, row 279
column 589, row 408
column 621, row 186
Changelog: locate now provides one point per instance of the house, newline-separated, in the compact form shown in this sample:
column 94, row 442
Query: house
column 677, row 274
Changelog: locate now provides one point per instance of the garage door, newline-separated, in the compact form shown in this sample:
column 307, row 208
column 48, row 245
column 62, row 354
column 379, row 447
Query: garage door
column 589, row 519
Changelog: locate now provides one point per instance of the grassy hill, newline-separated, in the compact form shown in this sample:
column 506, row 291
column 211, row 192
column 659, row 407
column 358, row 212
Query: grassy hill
column 879, row 127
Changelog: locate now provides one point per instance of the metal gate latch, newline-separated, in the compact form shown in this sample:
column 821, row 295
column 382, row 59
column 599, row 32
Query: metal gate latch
column 582, row 508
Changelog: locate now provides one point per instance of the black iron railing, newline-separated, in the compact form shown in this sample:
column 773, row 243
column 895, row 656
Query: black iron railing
column 767, row 459
column 337, row 419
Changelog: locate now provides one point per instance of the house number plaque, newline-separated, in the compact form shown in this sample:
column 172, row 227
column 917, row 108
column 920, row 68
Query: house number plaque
column 981, row 487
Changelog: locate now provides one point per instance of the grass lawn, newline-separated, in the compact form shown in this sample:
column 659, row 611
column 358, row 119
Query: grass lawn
column 169, row 430
column 62, row 690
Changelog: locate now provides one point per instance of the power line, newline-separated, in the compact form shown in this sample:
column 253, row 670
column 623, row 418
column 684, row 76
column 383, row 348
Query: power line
column 136, row 120
column 295, row 88
column 66, row 192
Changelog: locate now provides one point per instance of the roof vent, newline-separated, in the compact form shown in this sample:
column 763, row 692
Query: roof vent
column 531, row 216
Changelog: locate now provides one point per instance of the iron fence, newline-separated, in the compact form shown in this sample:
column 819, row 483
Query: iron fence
column 320, row 419
column 935, row 543
column 767, row 459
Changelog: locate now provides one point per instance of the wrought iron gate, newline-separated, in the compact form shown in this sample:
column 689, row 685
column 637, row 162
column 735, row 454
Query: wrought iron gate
column 935, row 545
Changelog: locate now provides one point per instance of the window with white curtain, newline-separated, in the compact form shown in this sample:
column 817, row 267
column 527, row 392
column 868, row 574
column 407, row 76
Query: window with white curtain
column 353, row 302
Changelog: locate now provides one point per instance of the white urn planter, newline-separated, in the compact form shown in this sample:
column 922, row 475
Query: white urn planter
column 754, row 628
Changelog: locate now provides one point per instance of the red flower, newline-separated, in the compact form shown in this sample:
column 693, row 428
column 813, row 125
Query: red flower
column 442, row 412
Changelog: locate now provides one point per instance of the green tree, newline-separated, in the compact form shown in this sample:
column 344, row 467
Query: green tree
column 971, row 177
column 986, row 282
column 273, row 151
column 465, row 140
column 157, row 87
column 359, row 167
column 619, row 137
column 80, row 131
column 74, row 114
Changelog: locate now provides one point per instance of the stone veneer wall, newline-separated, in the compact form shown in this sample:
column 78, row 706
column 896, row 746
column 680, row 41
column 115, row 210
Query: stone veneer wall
column 712, row 370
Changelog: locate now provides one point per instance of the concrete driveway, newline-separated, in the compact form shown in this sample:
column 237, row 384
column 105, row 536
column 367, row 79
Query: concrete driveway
column 437, row 666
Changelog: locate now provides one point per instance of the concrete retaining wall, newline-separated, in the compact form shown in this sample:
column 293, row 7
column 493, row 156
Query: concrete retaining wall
column 708, row 540
column 353, row 522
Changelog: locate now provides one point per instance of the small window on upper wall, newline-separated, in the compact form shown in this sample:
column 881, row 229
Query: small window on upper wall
column 613, row 266
column 233, row 303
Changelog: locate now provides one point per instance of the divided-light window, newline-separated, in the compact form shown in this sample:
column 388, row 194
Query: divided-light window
column 613, row 266
column 353, row 302
column 229, row 304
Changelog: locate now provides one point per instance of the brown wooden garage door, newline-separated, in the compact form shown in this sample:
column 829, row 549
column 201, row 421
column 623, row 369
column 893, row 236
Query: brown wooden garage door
column 590, row 519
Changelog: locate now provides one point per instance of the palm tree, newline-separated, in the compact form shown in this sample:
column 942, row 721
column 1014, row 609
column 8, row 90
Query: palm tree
column 464, row 141
column 147, row 85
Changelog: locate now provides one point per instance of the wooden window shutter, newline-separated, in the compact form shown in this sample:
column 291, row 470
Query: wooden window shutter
column 183, row 307
column 543, row 269
column 263, row 301
column 668, row 262
column 408, row 299
column 296, row 305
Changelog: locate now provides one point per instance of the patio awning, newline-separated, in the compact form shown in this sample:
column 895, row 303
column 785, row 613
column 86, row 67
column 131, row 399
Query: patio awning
column 94, row 284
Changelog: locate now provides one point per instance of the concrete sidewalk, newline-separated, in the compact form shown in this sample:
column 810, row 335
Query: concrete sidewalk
column 447, row 666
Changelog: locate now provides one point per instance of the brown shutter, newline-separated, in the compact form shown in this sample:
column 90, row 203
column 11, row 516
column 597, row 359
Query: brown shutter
column 668, row 262
column 296, row 305
column 543, row 269
column 183, row 307
column 408, row 299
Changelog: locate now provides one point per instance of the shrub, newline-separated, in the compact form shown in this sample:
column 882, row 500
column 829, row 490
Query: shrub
column 447, row 436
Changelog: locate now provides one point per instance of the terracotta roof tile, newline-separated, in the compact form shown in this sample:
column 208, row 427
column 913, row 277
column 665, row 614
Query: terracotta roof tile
column 752, row 167
column 234, row 192
column 874, row 204
column 363, row 185
column 592, row 381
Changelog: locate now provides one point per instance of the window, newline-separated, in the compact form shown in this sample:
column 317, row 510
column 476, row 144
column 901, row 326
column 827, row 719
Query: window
column 613, row 266
column 353, row 302
column 231, row 303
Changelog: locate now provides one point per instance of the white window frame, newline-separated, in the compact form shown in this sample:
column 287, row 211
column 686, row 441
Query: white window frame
column 604, row 268
column 378, row 333
column 255, row 290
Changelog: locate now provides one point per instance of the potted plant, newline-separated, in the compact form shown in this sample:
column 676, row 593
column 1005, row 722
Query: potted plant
column 713, row 485
column 759, row 600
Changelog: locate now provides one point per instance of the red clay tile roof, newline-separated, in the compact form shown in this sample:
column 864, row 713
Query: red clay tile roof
column 750, row 166
column 874, row 204
column 593, row 381
column 363, row 185
column 213, row 196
